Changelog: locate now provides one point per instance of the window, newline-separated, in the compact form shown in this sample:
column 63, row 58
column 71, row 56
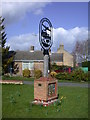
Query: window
column 27, row 65
column 31, row 65
column 51, row 89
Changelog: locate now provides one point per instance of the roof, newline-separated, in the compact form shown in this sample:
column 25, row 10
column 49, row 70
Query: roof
column 64, row 51
column 58, row 57
column 26, row 55
column 36, row 56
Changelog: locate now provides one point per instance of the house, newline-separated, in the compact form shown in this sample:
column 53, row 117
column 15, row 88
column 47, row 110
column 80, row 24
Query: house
column 35, row 59
column 67, row 57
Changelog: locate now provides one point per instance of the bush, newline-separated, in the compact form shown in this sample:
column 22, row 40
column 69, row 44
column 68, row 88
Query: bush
column 76, row 75
column 37, row 74
column 79, row 75
column 61, row 76
column 26, row 73
column 57, row 68
column 68, row 76
column 53, row 74
column 85, row 77
column 85, row 64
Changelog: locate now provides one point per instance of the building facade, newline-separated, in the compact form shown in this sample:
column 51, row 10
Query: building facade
column 67, row 57
column 33, row 60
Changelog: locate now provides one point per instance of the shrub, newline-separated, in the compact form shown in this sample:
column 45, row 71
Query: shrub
column 26, row 73
column 68, row 76
column 57, row 68
column 76, row 75
column 79, row 75
column 37, row 74
column 53, row 74
column 61, row 76
column 85, row 77
column 85, row 64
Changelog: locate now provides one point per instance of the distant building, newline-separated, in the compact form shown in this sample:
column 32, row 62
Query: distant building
column 34, row 59
column 67, row 57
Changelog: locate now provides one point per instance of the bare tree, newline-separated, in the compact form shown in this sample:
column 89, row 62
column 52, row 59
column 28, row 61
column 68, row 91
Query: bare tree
column 80, row 51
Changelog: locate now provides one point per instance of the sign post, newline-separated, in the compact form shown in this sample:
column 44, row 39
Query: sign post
column 45, row 88
column 46, row 40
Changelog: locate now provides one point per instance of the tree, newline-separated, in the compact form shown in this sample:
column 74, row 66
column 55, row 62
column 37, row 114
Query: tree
column 7, row 58
column 80, row 51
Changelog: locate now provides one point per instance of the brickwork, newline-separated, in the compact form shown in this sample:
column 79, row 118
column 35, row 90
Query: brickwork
column 37, row 66
column 41, row 89
column 40, row 92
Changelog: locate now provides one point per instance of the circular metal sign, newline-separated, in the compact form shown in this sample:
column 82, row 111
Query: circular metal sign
column 45, row 33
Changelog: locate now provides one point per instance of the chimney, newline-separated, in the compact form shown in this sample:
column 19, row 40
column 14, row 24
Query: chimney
column 32, row 49
column 61, row 46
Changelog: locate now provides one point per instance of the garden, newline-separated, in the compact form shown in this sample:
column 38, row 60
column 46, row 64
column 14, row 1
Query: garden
column 72, row 101
column 17, row 103
column 74, row 74
column 61, row 73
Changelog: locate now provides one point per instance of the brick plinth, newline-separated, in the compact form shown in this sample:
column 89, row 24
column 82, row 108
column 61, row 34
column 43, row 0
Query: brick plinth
column 38, row 102
column 41, row 89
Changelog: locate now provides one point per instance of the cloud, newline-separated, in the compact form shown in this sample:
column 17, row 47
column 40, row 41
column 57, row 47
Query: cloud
column 16, row 11
column 39, row 11
column 68, row 37
column 60, row 35
column 23, row 42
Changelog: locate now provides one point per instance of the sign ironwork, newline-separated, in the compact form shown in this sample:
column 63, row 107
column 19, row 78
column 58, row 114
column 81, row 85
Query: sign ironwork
column 45, row 35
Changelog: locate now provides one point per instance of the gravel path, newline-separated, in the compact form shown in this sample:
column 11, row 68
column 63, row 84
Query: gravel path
column 85, row 85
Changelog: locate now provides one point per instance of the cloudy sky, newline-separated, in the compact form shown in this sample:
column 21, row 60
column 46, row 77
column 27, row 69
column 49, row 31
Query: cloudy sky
column 69, row 20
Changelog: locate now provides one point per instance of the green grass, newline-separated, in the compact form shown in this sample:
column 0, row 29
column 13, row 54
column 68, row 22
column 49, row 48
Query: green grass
column 32, row 79
column 16, row 101
column 69, row 81
column 17, row 78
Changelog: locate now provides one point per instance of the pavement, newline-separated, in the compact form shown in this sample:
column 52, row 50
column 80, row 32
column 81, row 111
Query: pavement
column 11, row 81
column 84, row 85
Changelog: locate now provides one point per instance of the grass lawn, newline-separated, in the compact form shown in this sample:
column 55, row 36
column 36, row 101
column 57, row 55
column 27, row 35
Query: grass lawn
column 16, row 103
column 17, row 78
column 32, row 79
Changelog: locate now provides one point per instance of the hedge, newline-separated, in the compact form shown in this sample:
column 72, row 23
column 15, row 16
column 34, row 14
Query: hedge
column 76, row 75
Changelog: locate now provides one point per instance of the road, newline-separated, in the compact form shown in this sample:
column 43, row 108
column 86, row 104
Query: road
column 84, row 85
